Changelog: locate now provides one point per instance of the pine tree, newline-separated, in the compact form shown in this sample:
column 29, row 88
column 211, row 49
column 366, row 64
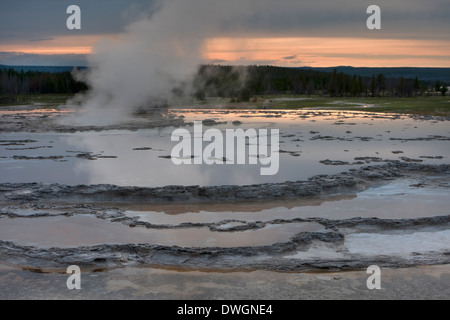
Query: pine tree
column 416, row 85
column 437, row 86
column 373, row 86
column 381, row 83
column 444, row 89
column 333, row 85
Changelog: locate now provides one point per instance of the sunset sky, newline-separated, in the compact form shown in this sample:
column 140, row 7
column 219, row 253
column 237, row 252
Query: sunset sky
column 294, row 33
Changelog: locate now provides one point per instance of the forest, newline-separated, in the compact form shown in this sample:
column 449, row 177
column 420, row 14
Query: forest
column 14, row 83
column 239, row 83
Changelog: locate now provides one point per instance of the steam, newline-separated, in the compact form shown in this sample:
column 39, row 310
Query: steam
column 159, row 51
column 143, row 65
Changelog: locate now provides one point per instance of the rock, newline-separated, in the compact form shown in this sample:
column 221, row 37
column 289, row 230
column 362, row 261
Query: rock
column 406, row 159
column 38, row 158
column 334, row 162
column 369, row 159
column 87, row 156
column 432, row 157
column 142, row 149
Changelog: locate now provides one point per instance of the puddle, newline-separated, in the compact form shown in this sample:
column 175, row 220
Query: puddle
column 318, row 251
column 396, row 200
column 79, row 231
column 374, row 244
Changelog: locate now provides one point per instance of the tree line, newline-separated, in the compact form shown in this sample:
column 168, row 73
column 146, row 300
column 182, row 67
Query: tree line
column 13, row 83
column 240, row 83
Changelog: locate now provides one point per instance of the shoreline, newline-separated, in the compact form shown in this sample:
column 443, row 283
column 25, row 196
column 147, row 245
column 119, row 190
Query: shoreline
column 347, row 181
column 60, row 119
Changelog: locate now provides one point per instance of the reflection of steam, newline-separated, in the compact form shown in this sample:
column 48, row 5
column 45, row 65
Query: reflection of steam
column 141, row 68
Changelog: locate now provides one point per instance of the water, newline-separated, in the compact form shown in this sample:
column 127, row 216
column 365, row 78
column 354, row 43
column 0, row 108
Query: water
column 72, row 232
column 370, row 244
column 396, row 200
column 393, row 221
column 136, row 158
column 255, row 224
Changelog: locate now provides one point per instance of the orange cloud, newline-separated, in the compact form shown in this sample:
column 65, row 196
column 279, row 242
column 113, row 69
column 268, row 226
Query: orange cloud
column 323, row 52
column 281, row 51
column 57, row 45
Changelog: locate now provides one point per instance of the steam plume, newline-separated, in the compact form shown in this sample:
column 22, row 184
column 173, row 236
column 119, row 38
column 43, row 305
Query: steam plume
column 142, row 66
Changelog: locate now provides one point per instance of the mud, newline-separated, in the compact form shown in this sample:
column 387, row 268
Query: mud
column 417, row 283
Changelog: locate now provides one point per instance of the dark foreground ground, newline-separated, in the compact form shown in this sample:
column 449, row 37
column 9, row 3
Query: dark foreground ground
column 418, row 283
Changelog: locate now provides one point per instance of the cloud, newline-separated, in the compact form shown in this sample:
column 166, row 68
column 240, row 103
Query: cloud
column 217, row 61
column 327, row 18
column 290, row 57
column 27, row 59
column 27, row 19
column 42, row 39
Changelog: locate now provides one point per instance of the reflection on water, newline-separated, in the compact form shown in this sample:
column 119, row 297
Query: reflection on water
column 257, row 227
column 72, row 232
column 298, row 232
column 396, row 200
column 373, row 244
column 138, row 158
column 308, row 138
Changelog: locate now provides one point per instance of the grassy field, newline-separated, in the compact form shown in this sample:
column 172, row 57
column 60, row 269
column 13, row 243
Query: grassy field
column 415, row 105
column 42, row 100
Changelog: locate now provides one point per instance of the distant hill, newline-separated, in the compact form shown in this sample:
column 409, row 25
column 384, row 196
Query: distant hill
column 49, row 69
column 424, row 74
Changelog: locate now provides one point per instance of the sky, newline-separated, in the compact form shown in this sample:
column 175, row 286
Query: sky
column 293, row 33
